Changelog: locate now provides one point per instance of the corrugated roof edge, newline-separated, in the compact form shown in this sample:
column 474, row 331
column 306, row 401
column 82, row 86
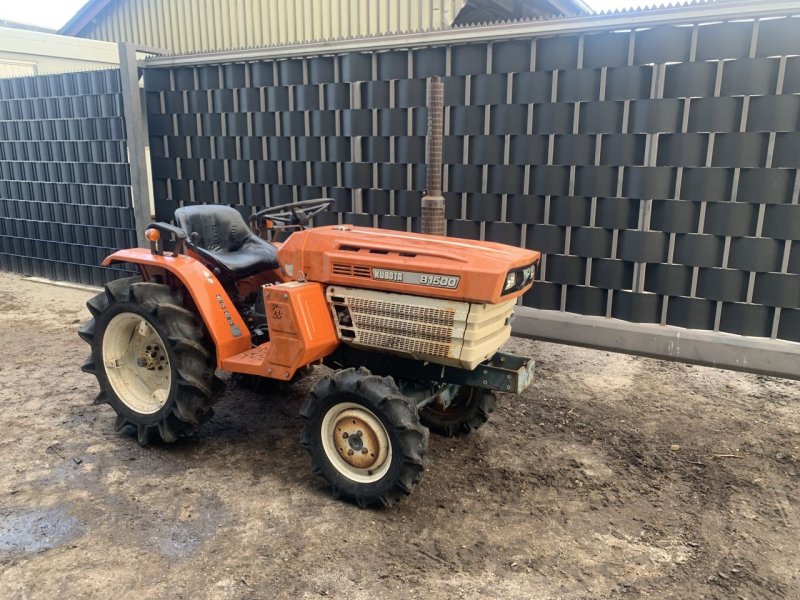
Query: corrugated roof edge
column 92, row 8
column 664, row 13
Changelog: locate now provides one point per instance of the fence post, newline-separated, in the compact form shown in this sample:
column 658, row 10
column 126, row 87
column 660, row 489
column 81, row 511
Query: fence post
column 136, row 134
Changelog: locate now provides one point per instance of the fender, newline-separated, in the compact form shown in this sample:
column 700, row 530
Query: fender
column 222, row 320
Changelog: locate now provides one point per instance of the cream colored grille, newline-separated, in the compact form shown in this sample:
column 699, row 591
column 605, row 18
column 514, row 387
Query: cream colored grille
column 425, row 331
column 487, row 338
column 404, row 344
column 493, row 320
column 431, row 329
column 397, row 310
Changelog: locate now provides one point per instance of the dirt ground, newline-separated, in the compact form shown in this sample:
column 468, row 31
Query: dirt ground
column 613, row 476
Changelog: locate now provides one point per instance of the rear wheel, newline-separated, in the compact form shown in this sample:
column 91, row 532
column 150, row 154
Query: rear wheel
column 151, row 359
column 468, row 409
column 364, row 437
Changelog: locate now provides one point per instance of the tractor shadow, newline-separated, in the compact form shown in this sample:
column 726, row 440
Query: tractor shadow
column 254, row 436
column 252, row 431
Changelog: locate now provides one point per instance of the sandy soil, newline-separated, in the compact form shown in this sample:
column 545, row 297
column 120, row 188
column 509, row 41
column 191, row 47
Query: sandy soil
column 613, row 476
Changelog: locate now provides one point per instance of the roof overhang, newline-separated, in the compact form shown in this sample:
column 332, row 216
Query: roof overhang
column 475, row 12
column 85, row 15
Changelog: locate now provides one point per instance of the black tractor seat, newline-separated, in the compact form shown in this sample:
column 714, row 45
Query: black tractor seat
column 219, row 234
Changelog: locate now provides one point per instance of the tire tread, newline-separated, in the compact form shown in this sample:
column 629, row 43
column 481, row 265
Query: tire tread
column 382, row 395
column 197, row 387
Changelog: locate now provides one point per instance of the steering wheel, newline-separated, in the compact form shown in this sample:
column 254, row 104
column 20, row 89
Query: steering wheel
column 294, row 213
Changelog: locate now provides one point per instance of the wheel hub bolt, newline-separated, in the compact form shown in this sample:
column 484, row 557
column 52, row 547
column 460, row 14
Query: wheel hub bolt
column 356, row 443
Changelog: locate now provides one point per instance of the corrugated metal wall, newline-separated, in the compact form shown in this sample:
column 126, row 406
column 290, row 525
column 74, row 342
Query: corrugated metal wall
column 199, row 25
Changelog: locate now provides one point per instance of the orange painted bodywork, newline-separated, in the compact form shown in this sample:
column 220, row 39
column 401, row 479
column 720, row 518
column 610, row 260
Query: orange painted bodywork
column 212, row 301
column 301, row 331
column 346, row 255
column 300, row 322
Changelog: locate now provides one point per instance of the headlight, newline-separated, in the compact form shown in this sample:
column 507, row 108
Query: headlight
column 518, row 278
column 511, row 281
column 529, row 272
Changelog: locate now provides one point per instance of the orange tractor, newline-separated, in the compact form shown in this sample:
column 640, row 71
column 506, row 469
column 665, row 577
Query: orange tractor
column 410, row 324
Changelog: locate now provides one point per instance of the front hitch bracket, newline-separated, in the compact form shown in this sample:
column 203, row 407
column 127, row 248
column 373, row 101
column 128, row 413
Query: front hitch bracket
column 503, row 372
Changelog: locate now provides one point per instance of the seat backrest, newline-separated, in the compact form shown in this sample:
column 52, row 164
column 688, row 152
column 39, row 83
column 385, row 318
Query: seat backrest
column 218, row 227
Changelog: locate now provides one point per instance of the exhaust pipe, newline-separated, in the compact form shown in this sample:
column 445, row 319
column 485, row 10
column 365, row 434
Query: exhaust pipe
column 433, row 201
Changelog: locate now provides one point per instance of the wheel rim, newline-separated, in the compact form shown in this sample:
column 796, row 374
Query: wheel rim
column 136, row 363
column 356, row 443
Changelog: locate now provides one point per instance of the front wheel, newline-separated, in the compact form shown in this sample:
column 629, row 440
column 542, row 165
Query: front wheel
column 364, row 437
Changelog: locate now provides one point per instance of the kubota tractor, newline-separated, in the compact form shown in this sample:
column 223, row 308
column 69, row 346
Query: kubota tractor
column 411, row 325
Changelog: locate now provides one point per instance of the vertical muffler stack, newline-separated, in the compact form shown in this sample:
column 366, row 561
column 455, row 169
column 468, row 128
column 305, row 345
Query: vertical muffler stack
column 433, row 201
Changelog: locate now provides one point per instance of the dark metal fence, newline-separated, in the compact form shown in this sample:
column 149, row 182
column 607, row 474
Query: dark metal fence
column 65, row 196
column 653, row 157
column 656, row 168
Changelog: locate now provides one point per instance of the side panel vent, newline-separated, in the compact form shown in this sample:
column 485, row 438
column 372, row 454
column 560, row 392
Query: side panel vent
column 351, row 270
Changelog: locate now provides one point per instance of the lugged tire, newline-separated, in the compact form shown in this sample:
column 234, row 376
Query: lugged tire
column 398, row 415
column 463, row 416
column 193, row 385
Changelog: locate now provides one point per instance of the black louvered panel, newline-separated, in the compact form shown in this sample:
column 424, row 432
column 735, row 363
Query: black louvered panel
column 65, row 197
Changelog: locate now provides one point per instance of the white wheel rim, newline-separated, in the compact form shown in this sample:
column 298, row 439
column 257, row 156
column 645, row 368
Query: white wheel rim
column 136, row 363
column 356, row 443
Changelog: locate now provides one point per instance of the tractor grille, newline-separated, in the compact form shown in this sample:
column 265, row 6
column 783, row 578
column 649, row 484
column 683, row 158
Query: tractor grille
column 432, row 329
column 406, row 312
column 405, row 345
column 488, row 338
column 422, row 330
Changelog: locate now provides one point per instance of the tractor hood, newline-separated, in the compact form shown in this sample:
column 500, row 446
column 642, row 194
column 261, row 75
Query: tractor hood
column 409, row 263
